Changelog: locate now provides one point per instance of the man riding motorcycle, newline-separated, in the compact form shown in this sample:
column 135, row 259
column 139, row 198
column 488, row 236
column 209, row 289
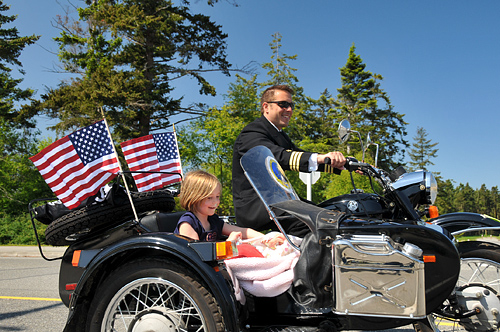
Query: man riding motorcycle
column 276, row 112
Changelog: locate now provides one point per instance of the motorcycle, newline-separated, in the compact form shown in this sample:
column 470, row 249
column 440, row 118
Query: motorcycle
column 376, row 266
column 459, row 224
column 474, row 234
column 462, row 225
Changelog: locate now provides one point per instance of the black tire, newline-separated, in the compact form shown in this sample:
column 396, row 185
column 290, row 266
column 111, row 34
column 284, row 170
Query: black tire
column 426, row 325
column 474, row 257
column 156, row 293
column 493, row 255
column 64, row 230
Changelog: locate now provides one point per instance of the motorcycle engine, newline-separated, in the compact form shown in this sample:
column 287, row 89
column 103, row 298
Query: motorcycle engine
column 375, row 277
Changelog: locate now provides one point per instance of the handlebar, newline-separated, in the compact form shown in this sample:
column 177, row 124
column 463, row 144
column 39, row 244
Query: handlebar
column 352, row 165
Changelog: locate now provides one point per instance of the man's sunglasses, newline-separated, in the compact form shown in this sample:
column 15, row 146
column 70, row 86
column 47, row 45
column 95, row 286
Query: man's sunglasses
column 283, row 104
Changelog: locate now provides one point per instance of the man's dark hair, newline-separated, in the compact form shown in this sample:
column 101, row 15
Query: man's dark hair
column 268, row 94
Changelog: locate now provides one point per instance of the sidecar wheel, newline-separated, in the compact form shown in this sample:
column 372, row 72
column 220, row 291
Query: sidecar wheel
column 65, row 230
column 479, row 277
column 153, row 295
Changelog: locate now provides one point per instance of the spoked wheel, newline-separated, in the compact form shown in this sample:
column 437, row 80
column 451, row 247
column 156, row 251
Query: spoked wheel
column 477, row 296
column 153, row 295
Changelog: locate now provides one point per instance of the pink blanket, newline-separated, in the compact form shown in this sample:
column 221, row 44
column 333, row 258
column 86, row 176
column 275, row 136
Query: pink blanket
column 264, row 277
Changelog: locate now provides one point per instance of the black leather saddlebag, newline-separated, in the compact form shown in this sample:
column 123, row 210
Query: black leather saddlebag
column 312, row 283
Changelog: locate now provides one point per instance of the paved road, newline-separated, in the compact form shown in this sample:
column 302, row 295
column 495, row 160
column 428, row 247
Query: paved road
column 29, row 298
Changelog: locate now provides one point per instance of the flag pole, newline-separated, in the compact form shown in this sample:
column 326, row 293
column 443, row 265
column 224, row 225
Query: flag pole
column 120, row 166
column 177, row 146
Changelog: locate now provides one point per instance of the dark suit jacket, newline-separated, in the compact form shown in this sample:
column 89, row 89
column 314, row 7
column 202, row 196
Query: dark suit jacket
column 249, row 210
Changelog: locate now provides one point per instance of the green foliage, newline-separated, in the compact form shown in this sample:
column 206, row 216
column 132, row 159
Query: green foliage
column 446, row 196
column 463, row 198
column 11, row 46
column 18, row 230
column 346, row 181
column 20, row 181
column 320, row 126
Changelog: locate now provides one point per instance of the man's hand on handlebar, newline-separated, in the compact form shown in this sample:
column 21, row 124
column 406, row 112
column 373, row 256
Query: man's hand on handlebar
column 350, row 163
column 336, row 159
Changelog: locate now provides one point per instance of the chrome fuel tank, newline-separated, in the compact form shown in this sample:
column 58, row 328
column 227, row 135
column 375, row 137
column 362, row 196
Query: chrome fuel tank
column 375, row 277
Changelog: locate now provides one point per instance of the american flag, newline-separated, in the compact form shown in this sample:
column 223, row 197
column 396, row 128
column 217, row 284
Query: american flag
column 153, row 153
column 78, row 165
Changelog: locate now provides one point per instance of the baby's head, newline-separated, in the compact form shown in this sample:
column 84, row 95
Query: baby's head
column 196, row 186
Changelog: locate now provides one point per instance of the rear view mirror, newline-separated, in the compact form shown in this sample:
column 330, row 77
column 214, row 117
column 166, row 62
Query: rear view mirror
column 344, row 130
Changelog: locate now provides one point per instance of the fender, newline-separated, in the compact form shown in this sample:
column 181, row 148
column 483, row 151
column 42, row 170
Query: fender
column 463, row 225
column 97, row 261
column 458, row 221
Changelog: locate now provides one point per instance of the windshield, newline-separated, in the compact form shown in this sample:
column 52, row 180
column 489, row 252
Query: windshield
column 266, row 176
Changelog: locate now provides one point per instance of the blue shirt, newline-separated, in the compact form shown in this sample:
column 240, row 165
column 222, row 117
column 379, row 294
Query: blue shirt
column 213, row 234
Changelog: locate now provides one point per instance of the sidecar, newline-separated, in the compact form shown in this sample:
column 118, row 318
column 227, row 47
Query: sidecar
column 352, row 273
column 151, row 280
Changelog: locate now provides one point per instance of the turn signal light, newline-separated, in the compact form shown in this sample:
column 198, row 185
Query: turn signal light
column 433, row 212
column 224, row 250
column 76, row 257
column 429, row 259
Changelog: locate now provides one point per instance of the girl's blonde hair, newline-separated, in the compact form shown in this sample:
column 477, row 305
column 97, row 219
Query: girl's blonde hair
column 196, row 186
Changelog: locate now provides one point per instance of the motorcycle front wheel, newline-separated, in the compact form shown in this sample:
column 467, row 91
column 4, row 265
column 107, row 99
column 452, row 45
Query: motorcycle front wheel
column 478, row 288
column 153, row 295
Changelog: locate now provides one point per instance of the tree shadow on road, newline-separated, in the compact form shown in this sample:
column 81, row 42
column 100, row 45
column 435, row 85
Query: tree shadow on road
column 15, row 326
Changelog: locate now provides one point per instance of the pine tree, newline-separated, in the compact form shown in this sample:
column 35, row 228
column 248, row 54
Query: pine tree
column 322, row 123
column 445, row 200
column 356, row 94
column 465, row 200
column 367, row 106
column 11, row 46
column 279, row 71
column 422, row 151
column 484, row 200
column 495, row 196
column 126, row 56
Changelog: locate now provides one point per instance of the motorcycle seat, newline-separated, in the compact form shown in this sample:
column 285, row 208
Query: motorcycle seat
column 162, row 222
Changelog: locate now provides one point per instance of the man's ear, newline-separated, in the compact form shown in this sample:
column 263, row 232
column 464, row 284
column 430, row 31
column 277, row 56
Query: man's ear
column 265, row 107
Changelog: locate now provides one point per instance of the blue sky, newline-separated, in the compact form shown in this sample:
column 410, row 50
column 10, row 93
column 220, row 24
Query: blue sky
column 439, row 60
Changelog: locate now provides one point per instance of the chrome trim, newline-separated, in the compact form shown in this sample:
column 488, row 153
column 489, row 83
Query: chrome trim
column 408, row 179
column 493, row 231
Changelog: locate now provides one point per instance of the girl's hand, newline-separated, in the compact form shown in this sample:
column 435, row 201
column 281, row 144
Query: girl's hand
column 276, row 240
column 234, row 236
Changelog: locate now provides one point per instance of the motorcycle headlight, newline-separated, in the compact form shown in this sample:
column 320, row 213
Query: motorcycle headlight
column 431, row 187
column 419, row 186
